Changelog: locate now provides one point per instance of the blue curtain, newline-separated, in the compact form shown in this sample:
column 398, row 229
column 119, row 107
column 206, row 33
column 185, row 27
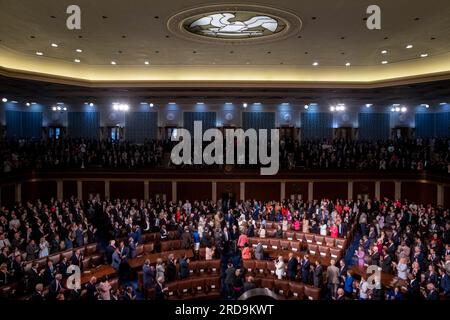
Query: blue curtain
column 443, row 125
column 373, row 126
column 425, row 124
column 316, row 125
column 429, row 125
column 208, row 120
column 258, row 120
column 83, row 125
column 141, row 126
column 21, row 124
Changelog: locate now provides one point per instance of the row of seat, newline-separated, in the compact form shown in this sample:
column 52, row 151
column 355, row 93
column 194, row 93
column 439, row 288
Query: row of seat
column 187, row 289
column 306, row 238
column 298, row 246
column 197, row 269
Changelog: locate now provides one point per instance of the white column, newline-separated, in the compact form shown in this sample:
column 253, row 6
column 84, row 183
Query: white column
column 79, row 190
column 174, row 191
column 242, row 191
column 377, row 190
column 146, row 191
column 440, row 195
column 18, row 192
column 310, row 191
column 350, row 190
column 283, row 190
column 59, row 190
column 107, row 189
column 398, row 190
column 214, row 191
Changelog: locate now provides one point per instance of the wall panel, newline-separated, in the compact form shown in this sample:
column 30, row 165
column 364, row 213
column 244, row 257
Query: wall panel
column 194, row 191
column 93, row 187
column 263, row 191
column 126, row 190
column 330, row 190
column 425, row 193
column 387, row 189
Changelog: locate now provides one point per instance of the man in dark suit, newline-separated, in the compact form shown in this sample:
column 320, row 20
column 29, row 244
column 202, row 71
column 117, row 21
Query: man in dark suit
column 171, row 268
column 38, row 294
column 33, row 277
column 342, row 229
column 49, row 273
column 77, row 259
column 55, row 287
column 318, row 275
column 229, row 278
column 110, row 250
column 123, row 251
column 432, row 294
column 184, row 267
column 305, row 268
column 91, row 289
column 251, row 230
column 160, row 289
column 292, row 266
column 342, row 271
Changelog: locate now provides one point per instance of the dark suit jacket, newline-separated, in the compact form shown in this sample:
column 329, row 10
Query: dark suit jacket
column 159, row 294
column 292, row 266
column 171, row 271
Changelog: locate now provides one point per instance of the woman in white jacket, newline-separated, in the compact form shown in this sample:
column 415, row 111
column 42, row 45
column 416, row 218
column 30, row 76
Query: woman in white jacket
column 279, row 267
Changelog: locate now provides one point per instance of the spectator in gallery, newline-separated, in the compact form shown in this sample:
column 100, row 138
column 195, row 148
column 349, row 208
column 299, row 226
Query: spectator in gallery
column 43, row 248
column 246, row 252
column 160, row 269
column 259, row 251
column 104, row 290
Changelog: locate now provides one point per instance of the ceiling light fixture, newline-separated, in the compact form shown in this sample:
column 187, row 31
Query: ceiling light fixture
column 442, row 103
column 384, row 52
column 424, row 55
column 54, row 108
column 39, row 53
column 403, row 109
column 79, row 50
column 332, row 109
column 91, row 104
column 4, row 100
column 113, row 62
column 151, row 105
column 384, row 62
column 409, row 46
column 368, row 105
column 147, row 62
column 65, row 109
column 348, row 64
column 27, row 104
column 54, row 45
column 306, row 106
column 244, row 104
column 77, row 60
column 315, row 64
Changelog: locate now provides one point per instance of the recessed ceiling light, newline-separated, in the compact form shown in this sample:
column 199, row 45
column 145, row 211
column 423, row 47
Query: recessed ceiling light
column 65, row 109
column 172, row 103
column 424, row 55
column 79, row 50
column 332, row 108
column 147, row 62
column 200, row 103
column 403, row 109
column 59, row 108
column 306, row 106
column 113, row 62
column 384, row 62
column 384, row 52
column 348, row 64
column 91, row 104
column 151, row 105
column 27, row 104
column 228, row 103
column 77, row 60
column 315, row 63
column 39, row 53
column 397, row 109
column 4, row 100
column 244, row 104
column 54, row 108
column 54, row 45
column 443, row 103
column 368, row 105
column 427, row 106
column 409, row 46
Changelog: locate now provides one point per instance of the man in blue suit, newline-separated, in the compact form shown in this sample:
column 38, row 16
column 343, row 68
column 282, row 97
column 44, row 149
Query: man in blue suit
column 305, row 269
column 292, row 266
column 116, row 260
